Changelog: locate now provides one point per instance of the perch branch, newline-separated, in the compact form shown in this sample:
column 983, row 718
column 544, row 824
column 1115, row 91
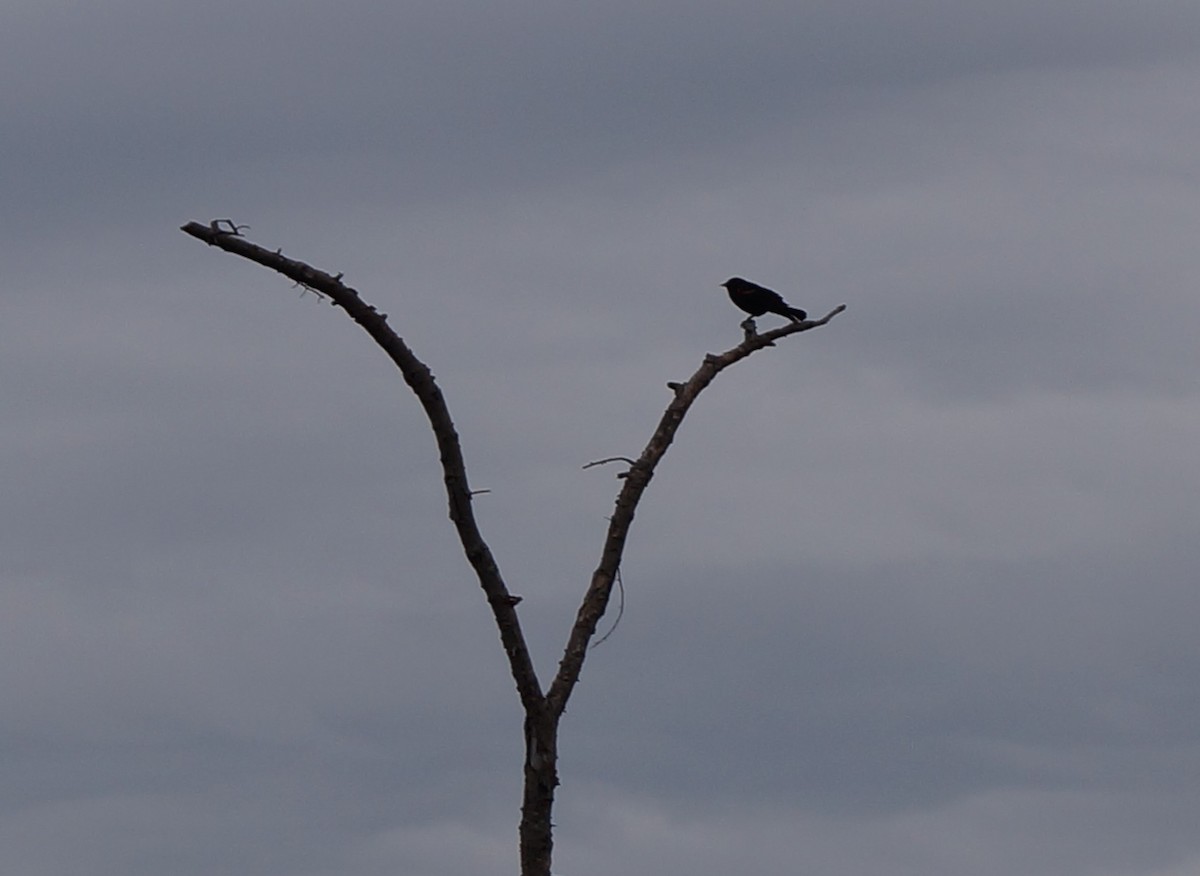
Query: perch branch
column 595, row 601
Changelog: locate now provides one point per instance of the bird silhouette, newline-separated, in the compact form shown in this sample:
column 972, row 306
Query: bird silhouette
column 757, row 300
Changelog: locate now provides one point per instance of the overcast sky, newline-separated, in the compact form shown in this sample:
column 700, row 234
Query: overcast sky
column 913, row 594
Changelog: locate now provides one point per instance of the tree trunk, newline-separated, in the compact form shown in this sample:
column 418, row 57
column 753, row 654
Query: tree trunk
column 541, row 777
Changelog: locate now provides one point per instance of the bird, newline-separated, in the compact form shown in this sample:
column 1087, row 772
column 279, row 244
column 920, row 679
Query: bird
column 757, row 300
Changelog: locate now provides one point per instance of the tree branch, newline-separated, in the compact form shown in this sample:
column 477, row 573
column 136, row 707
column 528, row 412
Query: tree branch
column 226, row 235
column 595, row 601
column 418, row 376
column 542, row 712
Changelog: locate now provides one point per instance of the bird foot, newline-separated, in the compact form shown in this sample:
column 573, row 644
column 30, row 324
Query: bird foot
column 749, row 328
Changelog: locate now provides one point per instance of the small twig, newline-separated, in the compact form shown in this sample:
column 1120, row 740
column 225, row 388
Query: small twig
column 234, row 228
column 620, row 611
column 305, row 289
column 611, row 459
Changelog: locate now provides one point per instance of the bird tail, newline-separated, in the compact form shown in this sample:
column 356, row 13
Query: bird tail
column 797, row 314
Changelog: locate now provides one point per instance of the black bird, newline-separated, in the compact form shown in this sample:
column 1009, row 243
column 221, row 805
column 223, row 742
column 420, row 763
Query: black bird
column 757, row 300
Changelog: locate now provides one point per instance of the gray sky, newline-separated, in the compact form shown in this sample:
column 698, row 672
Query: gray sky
column 912, row 595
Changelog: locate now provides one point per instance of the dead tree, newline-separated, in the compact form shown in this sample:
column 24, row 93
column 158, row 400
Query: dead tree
column 543, row 710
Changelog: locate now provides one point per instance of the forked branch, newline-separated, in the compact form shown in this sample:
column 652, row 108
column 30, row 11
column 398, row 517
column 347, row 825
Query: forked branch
column 542, row 711
column 227, row 236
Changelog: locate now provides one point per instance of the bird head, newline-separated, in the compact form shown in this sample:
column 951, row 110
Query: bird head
column 733, row 281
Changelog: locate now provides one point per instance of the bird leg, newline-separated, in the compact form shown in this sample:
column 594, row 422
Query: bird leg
column 749, row 328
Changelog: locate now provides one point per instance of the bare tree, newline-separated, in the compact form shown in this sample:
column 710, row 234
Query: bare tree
column 543, row 710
